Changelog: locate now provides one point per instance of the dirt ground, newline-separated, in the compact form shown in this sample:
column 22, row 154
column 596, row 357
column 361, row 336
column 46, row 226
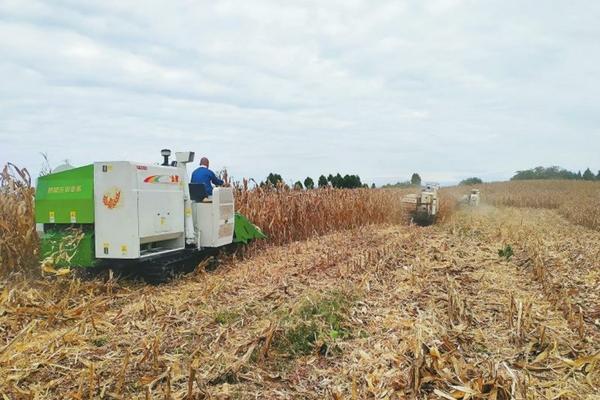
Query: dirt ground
column 494, row 303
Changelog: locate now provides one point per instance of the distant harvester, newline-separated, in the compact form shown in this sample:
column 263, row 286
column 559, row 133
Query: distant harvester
column 423, row 207
column 472, row 199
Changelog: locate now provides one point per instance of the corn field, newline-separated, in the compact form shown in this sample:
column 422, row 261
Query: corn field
column 327, row 311
column 18, row 239
column 284, row 215
column 578, row 201
column 287, row 215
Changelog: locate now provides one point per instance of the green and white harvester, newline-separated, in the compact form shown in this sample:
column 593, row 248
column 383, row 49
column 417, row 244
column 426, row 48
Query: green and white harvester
column 130, row 215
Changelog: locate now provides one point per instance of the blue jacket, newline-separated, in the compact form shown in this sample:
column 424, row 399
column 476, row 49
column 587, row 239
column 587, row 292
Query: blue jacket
column 205, row 176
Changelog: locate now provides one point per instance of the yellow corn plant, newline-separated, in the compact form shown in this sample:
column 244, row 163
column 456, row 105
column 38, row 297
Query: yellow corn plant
column 18, row 238
column 578, row 201
column 286, row 214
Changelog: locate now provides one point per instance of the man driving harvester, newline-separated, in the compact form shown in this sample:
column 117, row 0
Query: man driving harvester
column 205, row 176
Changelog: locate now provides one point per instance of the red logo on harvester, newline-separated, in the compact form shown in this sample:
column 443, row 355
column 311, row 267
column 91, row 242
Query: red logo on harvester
column 111, row 198
column 162, row 179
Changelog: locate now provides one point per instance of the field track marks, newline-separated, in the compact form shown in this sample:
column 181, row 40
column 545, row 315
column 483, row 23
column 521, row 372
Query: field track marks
column 449, row 289
column 397, row 310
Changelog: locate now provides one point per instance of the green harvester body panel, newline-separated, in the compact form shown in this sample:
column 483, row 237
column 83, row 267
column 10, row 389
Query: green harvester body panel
column 66, row 197
column 58, row 244
column 64, row 200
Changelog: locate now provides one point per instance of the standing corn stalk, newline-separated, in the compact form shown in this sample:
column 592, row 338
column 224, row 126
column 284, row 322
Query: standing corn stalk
column 18, row 239
column 578, row 201
column 287, row 215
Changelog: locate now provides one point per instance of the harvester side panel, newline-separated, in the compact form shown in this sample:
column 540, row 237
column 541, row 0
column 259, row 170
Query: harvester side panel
column 161, row 205
column 138, row 204
column 116, row 211
column 214, row 219
column 66, row 197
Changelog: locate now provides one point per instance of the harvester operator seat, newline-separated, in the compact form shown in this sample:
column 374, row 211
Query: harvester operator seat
column 198, row 192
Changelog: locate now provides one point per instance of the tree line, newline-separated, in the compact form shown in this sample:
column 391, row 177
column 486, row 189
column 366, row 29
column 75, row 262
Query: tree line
column 415, row 180
column 471, row 181
column 555, row 172
column 336, row 181
column 353, row 181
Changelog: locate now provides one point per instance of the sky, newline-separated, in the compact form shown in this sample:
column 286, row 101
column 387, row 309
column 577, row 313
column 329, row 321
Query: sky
column 446, row 88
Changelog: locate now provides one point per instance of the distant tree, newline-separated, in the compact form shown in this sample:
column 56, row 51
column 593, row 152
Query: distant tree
column 309, row 183
column 337, row 181
column 579, row 176
column 323, row 181
column 350, row 182
column 358, row 182
column 274, row 179
column 298, row 186
column 588, row 175
column 553, row 172
column 415, row 179
column 373, row 184
column 347, row 182
column 471, row 181
column 404, row 184
column 598, row 176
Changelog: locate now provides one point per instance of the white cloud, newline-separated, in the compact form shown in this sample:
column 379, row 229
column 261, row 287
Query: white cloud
column 448, row 88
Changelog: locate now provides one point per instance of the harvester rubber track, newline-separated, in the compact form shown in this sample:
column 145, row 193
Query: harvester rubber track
column 163, row 269
column 160, row 269
column 423, row 219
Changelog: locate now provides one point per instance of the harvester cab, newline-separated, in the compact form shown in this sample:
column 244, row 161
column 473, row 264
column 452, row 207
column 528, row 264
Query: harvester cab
column 423, row 207
column 127, row 213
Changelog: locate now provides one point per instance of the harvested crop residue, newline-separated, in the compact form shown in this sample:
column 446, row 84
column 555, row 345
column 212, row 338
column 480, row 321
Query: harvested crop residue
column 376, row 312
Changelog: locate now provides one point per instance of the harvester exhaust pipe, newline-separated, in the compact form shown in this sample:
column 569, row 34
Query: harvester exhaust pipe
column 166, row 153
